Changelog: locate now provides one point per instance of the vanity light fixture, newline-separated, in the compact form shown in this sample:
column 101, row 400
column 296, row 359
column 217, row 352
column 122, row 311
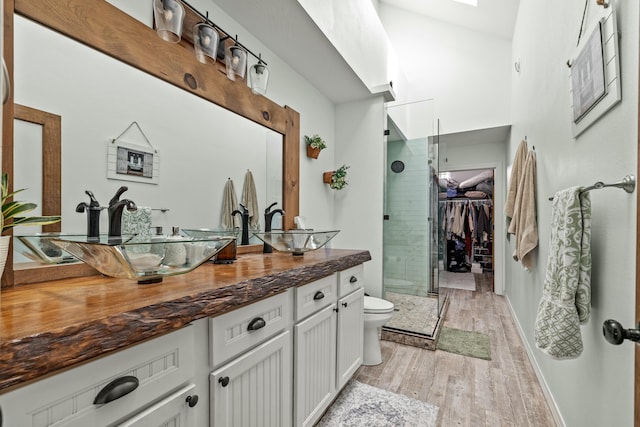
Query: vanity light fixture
column 236, row 60
column 259, row 77
column 169, row 16
column 205, row 41
column 235, row 56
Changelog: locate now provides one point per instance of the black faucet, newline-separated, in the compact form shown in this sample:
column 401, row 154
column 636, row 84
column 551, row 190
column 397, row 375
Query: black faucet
column 245, row 223
column 268, row 219
column 115, row 213
column 93, row 217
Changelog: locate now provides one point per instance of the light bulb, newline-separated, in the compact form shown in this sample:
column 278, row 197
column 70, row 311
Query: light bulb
column 235, row 60
column 168, row 15
column 206, row 41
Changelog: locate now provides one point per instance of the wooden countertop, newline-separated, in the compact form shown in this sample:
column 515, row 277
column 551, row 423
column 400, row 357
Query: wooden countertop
column 48, row 326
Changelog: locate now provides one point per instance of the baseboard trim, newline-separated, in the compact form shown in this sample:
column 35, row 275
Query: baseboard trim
column 551, row 402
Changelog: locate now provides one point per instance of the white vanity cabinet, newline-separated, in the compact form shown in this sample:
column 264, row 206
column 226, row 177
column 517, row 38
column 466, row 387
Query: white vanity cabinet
column 350, row 323
column 327, row 342
column 253, row 386
column 159, row 367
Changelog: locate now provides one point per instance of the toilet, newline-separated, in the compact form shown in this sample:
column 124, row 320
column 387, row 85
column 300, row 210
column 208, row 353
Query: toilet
column 377, row 312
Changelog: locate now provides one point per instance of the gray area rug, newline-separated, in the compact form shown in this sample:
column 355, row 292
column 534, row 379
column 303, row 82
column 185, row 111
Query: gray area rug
column 466, row 343
column 363, row 405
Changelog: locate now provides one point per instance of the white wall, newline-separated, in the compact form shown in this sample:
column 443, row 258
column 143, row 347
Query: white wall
column 596, row 389
column 358, row 207
column 466, row 72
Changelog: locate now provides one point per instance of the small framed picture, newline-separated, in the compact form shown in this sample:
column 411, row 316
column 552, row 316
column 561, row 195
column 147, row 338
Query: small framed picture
column 131, row 162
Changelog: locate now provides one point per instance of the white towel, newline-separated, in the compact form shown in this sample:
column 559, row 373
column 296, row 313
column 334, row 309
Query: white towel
column 524, row 224
column 514, row 179
column 250, row 200
column 229, row 204
column 566, row 297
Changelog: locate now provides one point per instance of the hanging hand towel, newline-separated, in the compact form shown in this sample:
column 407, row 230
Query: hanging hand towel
column 229, row 204
column 524, row 224
column 514, row 180
column 566, row 297
column 250, row 200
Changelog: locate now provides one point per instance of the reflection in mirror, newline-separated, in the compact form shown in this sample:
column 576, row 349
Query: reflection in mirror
column 199, row 145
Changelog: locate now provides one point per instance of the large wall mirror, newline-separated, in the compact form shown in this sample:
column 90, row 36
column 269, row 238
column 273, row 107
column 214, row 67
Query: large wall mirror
column 198, row 144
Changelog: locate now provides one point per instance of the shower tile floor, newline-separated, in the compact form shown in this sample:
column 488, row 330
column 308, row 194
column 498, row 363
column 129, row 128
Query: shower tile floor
column 413, row 313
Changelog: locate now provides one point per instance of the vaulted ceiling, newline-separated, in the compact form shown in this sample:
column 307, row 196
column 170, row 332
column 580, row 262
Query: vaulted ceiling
column 285, row 28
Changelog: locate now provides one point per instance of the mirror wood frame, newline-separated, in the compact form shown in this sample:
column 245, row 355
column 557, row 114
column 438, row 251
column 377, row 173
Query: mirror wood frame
column 102, row 26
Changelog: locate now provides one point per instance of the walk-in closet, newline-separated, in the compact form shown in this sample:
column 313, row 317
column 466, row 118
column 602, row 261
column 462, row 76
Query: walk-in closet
column 466, row 227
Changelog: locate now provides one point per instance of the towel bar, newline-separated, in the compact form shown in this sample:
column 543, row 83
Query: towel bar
column 628, row 184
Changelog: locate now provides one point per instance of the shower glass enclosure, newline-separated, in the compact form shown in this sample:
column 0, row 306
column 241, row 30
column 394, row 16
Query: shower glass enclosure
column 410, row 232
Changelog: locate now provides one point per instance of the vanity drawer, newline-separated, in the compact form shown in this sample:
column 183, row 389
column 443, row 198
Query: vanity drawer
column 315, row 296
column 237, row 331
column 160, row 365
column 350, row 280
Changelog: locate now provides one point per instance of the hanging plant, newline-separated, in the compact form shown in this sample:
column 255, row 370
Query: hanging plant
column 336, row 179
column 315, row 144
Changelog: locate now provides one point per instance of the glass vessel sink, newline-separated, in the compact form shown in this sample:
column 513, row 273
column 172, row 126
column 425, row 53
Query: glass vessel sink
column 38, row 247
column 144, row 259
column 296, row 241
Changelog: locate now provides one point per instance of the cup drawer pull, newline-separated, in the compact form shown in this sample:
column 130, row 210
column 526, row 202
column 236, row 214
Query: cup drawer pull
column 353, row 279
column 116, row 389
column 257, row 323
column 318, row 296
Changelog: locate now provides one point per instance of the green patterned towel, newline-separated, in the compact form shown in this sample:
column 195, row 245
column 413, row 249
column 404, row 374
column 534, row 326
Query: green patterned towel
column 566, row 297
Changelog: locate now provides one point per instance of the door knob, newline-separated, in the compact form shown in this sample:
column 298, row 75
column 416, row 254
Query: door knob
column 616, row 334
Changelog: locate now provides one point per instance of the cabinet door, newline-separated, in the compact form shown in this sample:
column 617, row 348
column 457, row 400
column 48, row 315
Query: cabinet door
column 173, row 411
column 350, row 335
column 314, row 366
column 255, row 388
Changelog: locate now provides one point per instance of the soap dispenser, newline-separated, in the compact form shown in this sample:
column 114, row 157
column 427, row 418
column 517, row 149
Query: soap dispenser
column 175, row 254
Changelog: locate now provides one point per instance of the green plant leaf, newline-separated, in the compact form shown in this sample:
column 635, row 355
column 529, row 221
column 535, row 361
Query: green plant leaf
column 33, row 220
column 11, row 210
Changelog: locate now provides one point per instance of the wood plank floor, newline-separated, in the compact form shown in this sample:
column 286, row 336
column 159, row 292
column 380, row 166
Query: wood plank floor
column 469, row 392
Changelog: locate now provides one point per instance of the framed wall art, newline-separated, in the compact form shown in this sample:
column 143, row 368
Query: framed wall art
column 132, row 162
column 594, row 76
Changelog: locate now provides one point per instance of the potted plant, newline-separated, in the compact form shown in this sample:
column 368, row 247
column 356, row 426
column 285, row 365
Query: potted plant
column 336, row 179
column 315, row 144
column 11, row 216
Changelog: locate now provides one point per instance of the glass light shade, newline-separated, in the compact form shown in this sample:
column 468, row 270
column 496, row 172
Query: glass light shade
column 205, row 42
column 169, row 16
column 259, row 76
column 236, row 60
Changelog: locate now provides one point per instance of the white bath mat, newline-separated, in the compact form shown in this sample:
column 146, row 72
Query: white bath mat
column 363, row 405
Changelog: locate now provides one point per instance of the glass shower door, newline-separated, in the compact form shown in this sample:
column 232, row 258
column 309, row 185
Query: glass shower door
column 410, row 232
